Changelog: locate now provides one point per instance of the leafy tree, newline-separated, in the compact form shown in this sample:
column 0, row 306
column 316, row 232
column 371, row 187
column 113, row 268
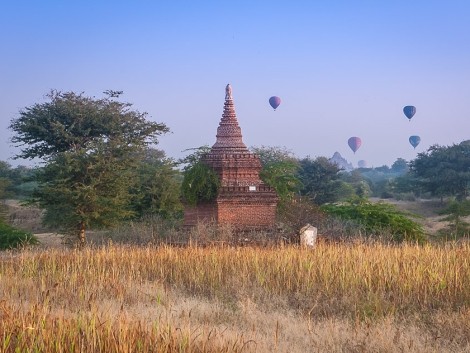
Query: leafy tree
column 272, row 155
column 381, row 180
column 21, row 180
column 383, row 169
column 455, row 212
column 320, row 180
column 358, row 184
column 158, row 188
column 279, row 170
column 444, row 170
column 5, row 169
column 399, row 166
column 200, row 183
column 406, row 184
column 90, row 148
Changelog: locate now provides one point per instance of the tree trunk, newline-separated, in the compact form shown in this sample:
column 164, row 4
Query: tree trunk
column 81, row 235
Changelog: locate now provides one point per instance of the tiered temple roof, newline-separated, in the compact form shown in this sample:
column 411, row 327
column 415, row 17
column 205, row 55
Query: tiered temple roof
column 229, row 133
column 229, row 156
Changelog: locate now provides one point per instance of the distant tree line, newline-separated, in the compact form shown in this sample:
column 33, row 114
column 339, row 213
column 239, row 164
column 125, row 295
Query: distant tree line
column 441, row 171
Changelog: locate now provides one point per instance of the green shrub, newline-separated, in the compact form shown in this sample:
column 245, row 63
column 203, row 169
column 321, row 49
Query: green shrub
column 14, row 238
column 200, row 183
column 455, row 213
column 378, row 217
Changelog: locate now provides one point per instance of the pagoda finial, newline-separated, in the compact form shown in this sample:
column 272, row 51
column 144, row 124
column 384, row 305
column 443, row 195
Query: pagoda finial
column 229, row 134
column 228, row 91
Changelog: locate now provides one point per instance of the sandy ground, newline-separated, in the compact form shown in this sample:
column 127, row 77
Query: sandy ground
column 50, row 240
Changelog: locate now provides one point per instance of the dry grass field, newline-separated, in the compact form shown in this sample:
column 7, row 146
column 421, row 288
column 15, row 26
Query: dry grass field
column 336, row 298
column 339, row 297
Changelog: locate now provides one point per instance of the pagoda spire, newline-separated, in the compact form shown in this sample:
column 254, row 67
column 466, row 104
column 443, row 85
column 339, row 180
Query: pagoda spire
column 229, row 134
column 243, row 200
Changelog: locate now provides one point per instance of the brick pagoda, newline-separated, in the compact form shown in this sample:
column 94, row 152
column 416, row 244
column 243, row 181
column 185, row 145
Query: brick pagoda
column 243, row 201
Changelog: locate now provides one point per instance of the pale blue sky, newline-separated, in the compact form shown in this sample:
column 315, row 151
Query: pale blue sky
column 342, row 68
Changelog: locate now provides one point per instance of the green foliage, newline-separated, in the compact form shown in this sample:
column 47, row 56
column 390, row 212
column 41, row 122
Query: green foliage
column 345, row 191
column 359, row 185
column 455, row 212
column 444, row 170
column 400, row 166
column 320, row 180
column 279, row 170
column 378, row 217
column 272, row 155
column 14, row 238
column 74, row 122
column 80, row 191
column 194, row 157
column 16, row 182
column 25, row 190
column 281, row 177
column 404, row 184
column 5, row 185
column 91, row 148
column 381, row 180
column 23, row 181
column 200, row 184
column 158, row 186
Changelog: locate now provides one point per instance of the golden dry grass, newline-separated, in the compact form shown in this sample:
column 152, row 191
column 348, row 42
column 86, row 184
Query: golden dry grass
column 336, row 298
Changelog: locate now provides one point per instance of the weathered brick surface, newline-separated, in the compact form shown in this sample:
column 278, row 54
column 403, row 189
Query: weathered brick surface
column 243, row 200
column 206, row 213
column 247, row 212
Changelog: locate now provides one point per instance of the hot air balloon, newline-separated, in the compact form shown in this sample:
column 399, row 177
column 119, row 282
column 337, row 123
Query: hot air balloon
column 274, row 101
column 354, row 143
column 414, row 140
column 409, row 111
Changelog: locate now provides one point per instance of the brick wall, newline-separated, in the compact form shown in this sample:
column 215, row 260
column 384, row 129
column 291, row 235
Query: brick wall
column 206, row 212
column 242, row 209
column 247, row 209
column 235, row 169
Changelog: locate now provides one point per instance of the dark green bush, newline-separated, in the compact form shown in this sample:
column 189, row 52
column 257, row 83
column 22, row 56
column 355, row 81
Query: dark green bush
column 14, row 238
column 378, row 217
column 200, row 183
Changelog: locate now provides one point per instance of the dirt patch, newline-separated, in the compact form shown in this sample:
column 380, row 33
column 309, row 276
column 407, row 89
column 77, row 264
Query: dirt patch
column 51, row 240
column 422, row 208
column 27, row 218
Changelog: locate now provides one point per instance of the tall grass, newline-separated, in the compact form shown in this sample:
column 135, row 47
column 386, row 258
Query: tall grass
column 120, row 298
